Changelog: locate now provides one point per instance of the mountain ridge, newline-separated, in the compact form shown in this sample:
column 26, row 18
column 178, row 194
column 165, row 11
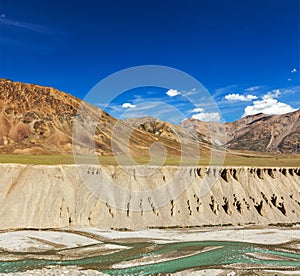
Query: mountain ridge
column 36, row 119
column 259, row 132
column 39, row 120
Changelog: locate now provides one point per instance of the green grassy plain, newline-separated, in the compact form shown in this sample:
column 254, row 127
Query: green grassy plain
column 251, row 160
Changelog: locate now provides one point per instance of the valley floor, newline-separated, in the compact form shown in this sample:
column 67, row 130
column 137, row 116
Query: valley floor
column 195, row 251
column 232, row 158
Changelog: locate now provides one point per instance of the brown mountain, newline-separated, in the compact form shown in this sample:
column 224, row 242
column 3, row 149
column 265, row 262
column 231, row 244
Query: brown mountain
column 261, row 133
column 163, row 129
column 36, row 119
column 265, row 133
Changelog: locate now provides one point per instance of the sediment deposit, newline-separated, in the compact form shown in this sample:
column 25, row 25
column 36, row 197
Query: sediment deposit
column 35, row 196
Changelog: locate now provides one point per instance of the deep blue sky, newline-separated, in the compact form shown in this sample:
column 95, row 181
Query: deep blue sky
column 229, row 46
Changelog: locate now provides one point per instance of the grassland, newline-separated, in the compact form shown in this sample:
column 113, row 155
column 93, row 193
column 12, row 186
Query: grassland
column 241, row 159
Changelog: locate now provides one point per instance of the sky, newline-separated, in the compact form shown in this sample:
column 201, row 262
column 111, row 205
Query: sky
column 244, row 53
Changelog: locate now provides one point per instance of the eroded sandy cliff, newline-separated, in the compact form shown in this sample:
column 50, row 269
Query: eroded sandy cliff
column 35, row 196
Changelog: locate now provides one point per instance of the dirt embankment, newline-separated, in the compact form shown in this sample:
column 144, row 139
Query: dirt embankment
column 35, row 196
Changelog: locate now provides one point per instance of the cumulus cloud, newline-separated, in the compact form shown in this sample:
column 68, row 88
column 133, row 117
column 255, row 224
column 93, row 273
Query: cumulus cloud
column 271, row 95
column 294, row 70
column 238, row 97
column 207, row 116
column 268, row 105
column 173, row 92
column 197, row 109
column 128, row 105
column 202, row 115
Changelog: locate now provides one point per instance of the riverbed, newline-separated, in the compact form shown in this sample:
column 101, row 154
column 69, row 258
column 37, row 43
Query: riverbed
column 93, row 251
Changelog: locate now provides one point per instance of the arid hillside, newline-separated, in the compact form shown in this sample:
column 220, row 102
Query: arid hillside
column 260, row 133
column 39, row 120
column 277, row 133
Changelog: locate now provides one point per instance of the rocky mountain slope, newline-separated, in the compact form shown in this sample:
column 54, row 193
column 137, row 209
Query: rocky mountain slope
column 265, row 133
column 40, row 120
column 36, row 119
column 162, row 129
column 261, row 133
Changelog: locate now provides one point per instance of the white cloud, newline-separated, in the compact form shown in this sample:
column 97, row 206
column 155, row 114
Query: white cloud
column 157, row 109
column 197, row 109
column 128, row 105
column 238, row 97
column 172, row 92
column 294, row 70
column 253, row 88
column 272, row 95
column 268, row 105
column 291, row 90
column 225, row 90
column 207, row 116
column 193, row 91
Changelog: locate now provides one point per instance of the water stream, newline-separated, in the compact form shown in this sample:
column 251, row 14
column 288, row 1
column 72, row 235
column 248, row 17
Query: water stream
column 144, row 258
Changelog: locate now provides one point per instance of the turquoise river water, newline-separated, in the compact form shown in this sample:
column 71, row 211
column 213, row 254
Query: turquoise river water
column 168, row 258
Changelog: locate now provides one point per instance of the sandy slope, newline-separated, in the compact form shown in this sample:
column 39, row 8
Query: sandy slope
column 33, row 196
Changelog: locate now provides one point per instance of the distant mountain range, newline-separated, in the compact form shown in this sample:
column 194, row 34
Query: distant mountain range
column 262, row 133
column 39, row 120
column 259, row 133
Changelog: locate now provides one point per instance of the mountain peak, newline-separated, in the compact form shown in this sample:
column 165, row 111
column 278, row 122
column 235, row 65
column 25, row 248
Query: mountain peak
column 36, row 119
column 39, row 120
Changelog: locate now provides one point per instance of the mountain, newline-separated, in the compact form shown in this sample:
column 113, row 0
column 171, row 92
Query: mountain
column 265, row 133
column 163, row 129
column 39, row 120
column 260, row 132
